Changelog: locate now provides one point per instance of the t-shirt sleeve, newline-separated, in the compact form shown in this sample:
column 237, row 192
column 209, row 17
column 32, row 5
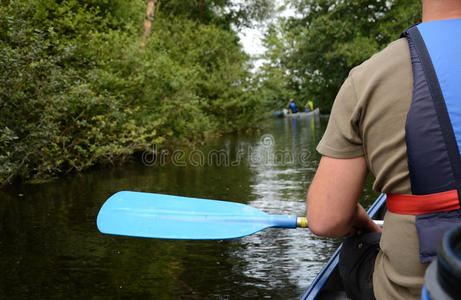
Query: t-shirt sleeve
column 342, row 138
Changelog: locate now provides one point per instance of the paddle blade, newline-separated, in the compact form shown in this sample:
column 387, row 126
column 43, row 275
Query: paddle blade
column 173, row 217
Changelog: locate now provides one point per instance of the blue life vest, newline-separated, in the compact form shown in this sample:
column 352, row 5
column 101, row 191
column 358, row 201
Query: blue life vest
column 433, row 133
column 293, row 107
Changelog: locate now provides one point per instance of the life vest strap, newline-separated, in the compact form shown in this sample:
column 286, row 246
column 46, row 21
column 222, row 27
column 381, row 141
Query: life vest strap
column 423, row 204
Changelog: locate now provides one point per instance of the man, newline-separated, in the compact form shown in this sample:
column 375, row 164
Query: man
column 366, row 133
column 310, row 103
column 309, row 106
column 292, row 106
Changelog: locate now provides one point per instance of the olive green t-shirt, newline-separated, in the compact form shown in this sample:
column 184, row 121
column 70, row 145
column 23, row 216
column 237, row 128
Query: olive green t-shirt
column 368, row 119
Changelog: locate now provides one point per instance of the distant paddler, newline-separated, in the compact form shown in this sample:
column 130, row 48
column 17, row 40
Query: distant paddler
column 292, row 106
column 309, row 106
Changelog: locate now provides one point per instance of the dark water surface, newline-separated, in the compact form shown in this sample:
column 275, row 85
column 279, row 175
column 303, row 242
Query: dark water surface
column 50, row 247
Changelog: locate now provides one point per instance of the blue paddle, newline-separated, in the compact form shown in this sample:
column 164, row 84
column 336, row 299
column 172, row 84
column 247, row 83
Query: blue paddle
column 173, row 217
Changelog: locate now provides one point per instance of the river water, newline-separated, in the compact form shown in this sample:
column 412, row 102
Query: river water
column 50, row 247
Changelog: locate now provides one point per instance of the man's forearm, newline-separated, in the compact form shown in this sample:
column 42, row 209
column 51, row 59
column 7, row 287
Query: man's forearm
column 332, row 201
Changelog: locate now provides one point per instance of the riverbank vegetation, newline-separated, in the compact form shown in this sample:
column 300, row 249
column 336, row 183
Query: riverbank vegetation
column 80, row 86
column 86, row 82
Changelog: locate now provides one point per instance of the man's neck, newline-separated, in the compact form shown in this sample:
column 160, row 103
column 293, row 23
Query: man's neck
column 434, row 10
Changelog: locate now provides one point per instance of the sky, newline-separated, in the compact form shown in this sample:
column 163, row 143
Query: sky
column 251, row 37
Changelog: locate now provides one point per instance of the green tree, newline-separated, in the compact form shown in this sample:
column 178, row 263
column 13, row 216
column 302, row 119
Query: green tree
column 276, row 78
column 333, row 36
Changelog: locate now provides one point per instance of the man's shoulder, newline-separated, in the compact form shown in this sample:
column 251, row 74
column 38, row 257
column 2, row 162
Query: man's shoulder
column 395, row 55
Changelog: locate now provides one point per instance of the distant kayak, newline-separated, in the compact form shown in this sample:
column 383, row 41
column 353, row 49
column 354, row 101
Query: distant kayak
column 278, row 114
column 306, row 114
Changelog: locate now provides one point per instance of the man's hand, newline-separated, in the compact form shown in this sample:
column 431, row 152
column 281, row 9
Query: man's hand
column 363, row 223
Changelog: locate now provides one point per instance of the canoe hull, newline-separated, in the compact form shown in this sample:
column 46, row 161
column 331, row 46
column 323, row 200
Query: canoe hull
column 309, row 114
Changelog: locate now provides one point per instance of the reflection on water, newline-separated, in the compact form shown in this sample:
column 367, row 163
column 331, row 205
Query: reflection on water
column 50, row 247
column 287, row 260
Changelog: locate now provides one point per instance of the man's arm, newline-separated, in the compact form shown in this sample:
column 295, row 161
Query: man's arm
column 332, row 201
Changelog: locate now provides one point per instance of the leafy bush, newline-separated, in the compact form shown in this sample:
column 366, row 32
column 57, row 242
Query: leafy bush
column 77, row 89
